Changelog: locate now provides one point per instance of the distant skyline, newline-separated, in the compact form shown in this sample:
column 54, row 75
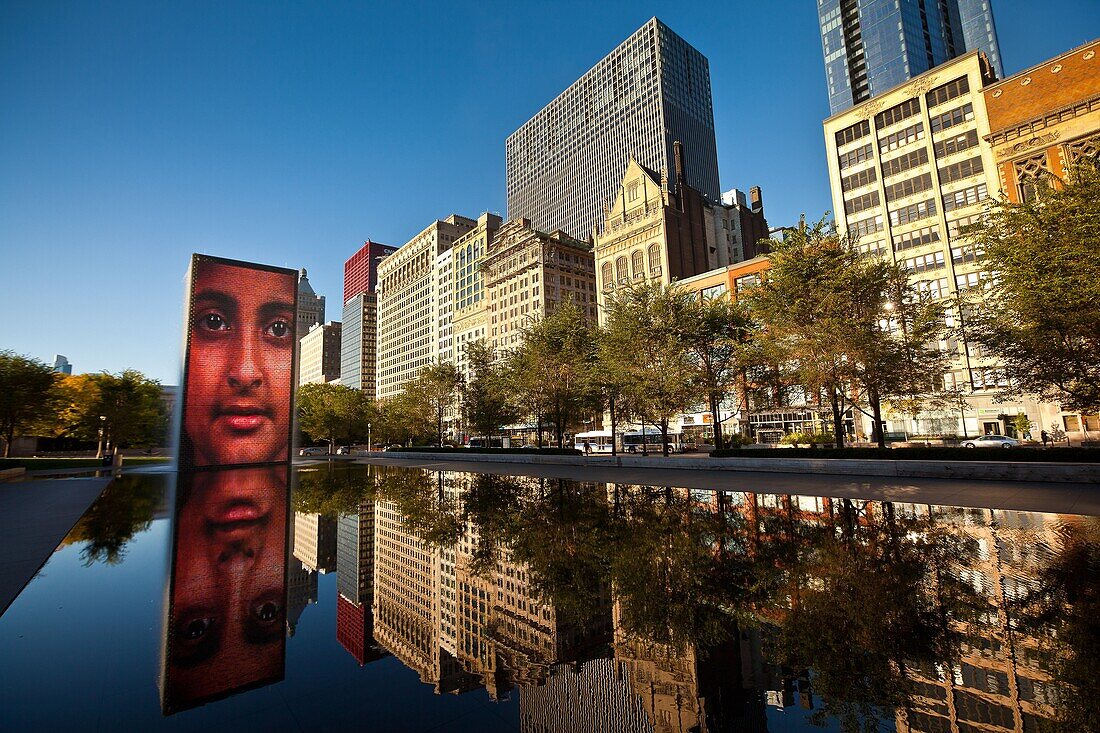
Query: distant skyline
column 133, row 134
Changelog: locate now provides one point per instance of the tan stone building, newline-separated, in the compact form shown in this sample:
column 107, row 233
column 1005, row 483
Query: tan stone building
column 319, row 354
column 654, row 231
column 470, row 318
column 526, row 273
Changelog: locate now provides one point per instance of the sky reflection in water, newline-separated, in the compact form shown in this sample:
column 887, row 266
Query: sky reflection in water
column 405, row 599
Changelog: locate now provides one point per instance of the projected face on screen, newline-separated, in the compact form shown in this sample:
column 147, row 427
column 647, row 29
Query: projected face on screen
column 239, row 365
column 226, row 626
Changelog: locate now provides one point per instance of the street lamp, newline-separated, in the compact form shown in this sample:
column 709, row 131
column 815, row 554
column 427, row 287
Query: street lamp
column 370, row 446
column 102, row 431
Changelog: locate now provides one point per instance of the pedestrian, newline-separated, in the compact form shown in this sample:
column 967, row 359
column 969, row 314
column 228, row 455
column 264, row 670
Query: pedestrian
column 587, row 448
column 1045, row 436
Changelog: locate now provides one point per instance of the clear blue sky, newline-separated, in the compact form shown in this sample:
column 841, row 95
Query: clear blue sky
column 134, row 133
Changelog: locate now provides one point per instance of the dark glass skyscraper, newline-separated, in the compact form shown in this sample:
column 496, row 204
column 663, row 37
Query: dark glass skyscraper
column 565, row 163
column 874, row 45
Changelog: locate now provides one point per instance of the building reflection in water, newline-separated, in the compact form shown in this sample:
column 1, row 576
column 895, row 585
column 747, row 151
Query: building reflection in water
column 638, row 608
column 226, row 614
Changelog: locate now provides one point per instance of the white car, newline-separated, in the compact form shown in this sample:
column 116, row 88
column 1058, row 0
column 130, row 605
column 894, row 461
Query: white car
column 312, row 451
column 991, row 441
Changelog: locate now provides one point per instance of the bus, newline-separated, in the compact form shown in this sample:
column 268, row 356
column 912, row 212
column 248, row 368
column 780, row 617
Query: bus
column 599, row 441
column 497, row 441
column 651, row 436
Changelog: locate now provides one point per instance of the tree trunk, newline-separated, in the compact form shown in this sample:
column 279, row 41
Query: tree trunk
column 538, row 428
column 716, row 420
column 879, row 435
column 664, row 438
column 838, row 423
column 614, row 452
column 7, row 443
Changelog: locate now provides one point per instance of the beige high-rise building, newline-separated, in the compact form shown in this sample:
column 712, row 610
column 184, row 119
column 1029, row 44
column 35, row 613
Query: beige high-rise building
column 527, row 273
column 319, row 354
column 410, row 323
column 909, row 169
column 470, row 319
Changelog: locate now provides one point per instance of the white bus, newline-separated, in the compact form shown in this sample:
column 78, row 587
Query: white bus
column 651, row 436
column 599, row 441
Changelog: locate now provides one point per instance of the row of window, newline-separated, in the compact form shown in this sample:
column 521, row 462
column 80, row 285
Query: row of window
column 916, row 238
column 857, row 156
column 913, row 212
column 954, row 117
column 960, row 170
column 909, row 186
column 620, row 272
column 965, row 197
column 861, row 203
column 900, row 138
column 923, row 263
column 957, row 144
column 862, row 178
column 903, row 163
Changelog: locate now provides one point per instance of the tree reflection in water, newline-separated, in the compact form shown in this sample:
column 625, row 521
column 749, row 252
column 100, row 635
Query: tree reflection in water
column 872, row 614
column 125, row 508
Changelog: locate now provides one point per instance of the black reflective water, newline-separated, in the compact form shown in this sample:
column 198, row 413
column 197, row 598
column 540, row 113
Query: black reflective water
column 409, row 600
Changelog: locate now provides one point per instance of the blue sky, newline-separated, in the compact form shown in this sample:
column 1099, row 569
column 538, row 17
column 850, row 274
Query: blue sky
column 135, row 133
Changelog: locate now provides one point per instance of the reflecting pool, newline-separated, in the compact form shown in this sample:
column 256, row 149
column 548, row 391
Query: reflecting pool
column 389, row 598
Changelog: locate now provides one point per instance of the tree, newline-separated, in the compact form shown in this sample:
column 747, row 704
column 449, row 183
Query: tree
column 719, row 336
column 1039, row 311
column 485, row 403
column 403, row 418
column 126, row 407
column 26, row 394
column 643, row 333
column 550, row 369
column 849, row 326
column 334, row 413
column 436, row 387
column 125, row 508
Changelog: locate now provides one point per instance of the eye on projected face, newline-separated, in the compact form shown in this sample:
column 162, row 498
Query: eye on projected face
column 239, row 364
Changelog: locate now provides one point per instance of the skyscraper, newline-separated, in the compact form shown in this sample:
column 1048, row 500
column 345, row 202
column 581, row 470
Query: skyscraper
column 361, row 269
column 565, row 163
column 874, row 45
column 311, row 306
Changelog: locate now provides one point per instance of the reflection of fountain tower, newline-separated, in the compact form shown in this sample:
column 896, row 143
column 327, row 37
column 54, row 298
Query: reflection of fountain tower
column 315, row 541
column 355, row 584
column 593, row 697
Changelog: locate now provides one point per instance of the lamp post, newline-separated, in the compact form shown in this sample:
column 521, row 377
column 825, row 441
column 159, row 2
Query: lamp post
column 370, row 446
column 102, row 431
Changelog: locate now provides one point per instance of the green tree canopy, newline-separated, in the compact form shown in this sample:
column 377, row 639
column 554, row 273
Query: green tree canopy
column 1039, row 312
column 435, row 391
column 334, row 413
column 26, row 395
column 485, row 396
column 643, row 334
column 131, row 407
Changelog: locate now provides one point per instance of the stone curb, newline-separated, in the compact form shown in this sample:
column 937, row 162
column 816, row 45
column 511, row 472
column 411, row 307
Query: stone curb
column 1078, row 473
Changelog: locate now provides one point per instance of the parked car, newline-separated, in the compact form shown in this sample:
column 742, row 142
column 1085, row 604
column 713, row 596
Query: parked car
column 312, row 450
column 991, row 441
column 344, row 450
column 393, row 446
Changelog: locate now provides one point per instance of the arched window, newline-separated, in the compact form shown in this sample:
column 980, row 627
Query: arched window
column 607, row 276
column 620, row 269
column 637, row 264
column 654, row 256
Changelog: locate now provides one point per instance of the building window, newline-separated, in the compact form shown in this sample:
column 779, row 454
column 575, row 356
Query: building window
column 632, row 192
column 913, row 212
column 1030, row 173
column 854, row 132
column 862, row 178
column 897, row 113
column 858, row 229
column 637, row 264
column 903, row 163
column 923, row 263
column 916, row 238
column 902, row 137
column 607, row 276
column 714, row 291
column 957, row 144
column 861, row 203
column 857, row 156
column 960, row 170
column 654, row 257
column 909, row 186
column 964, row 197
column 956, row 116
column 948, row 91
column 620, row 269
